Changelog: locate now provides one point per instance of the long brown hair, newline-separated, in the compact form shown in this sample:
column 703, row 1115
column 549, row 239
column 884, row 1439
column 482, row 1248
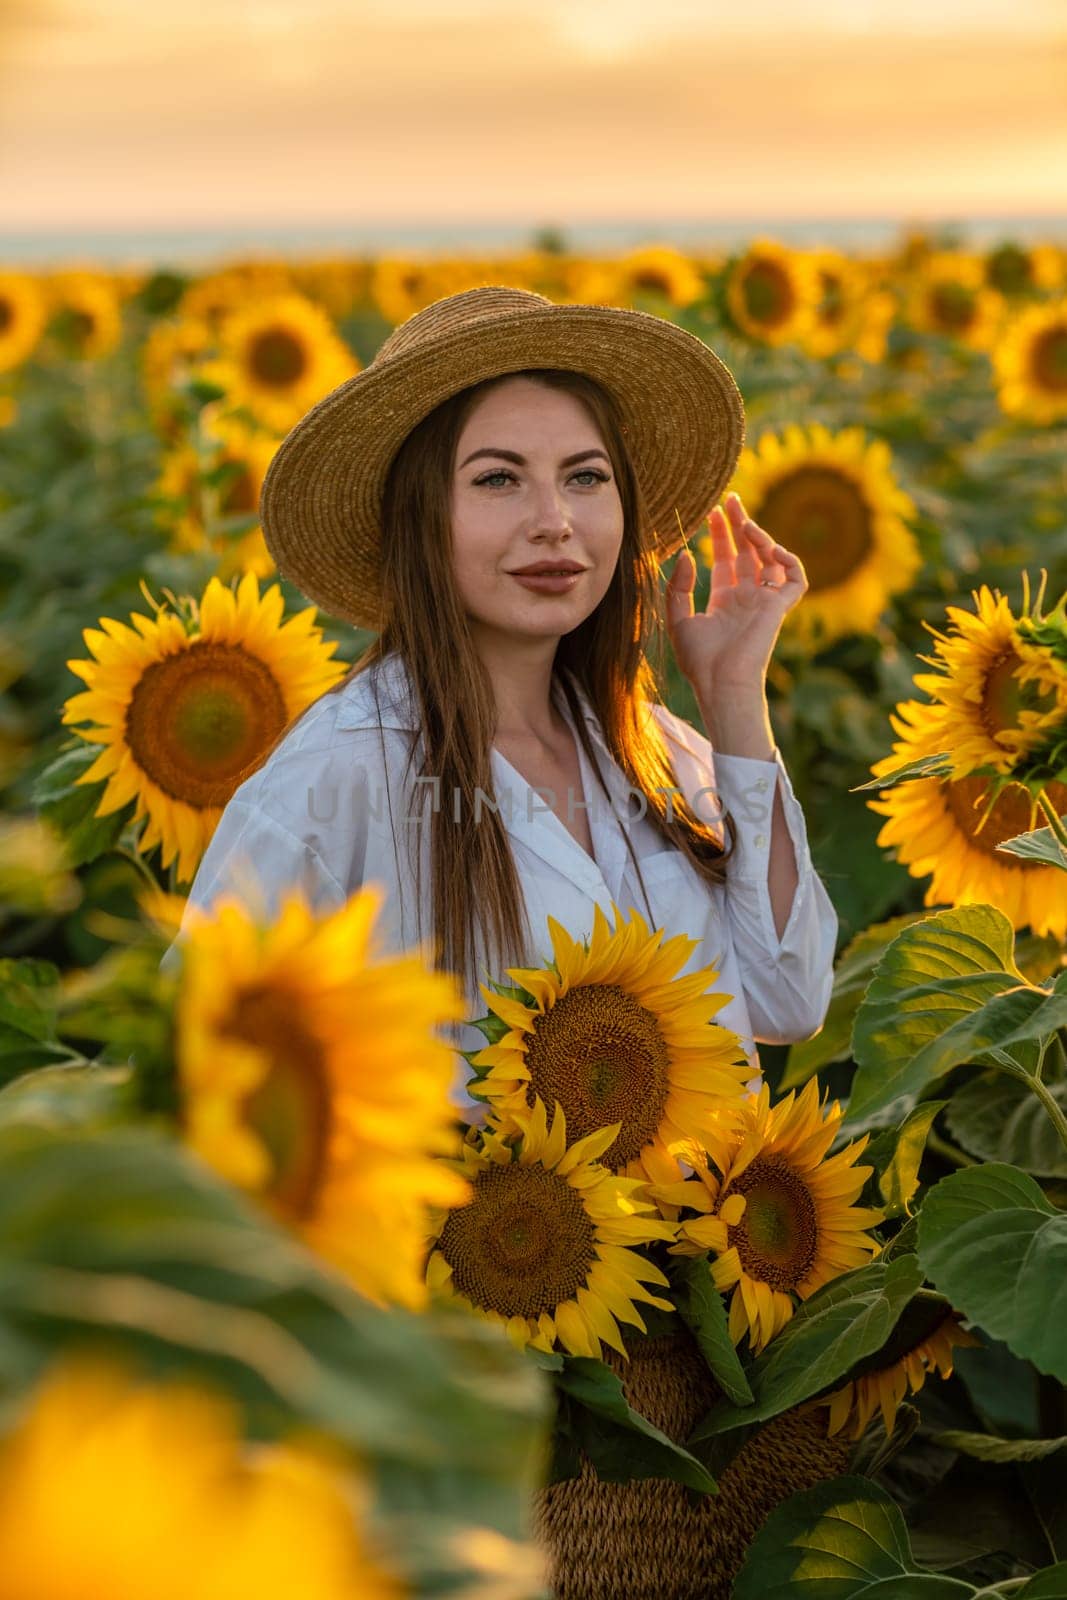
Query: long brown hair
column 472, row 869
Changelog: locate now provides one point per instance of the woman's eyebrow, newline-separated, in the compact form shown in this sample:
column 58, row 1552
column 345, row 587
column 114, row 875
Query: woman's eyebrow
column 511, row 455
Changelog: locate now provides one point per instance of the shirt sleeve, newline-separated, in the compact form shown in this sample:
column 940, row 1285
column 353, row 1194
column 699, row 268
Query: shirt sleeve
column 787, row 980
column 255, row 859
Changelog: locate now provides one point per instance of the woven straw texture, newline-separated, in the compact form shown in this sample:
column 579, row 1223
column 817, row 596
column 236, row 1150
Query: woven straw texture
column 643, row 1540
column 321, row 500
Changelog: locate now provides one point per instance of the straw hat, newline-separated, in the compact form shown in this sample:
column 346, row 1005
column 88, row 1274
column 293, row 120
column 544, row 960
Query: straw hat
column 320, row 504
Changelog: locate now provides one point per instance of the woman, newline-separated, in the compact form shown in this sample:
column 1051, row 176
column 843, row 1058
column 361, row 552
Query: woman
column 500, row 754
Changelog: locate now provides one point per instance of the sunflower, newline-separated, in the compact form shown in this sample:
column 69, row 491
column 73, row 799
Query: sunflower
column 949, row 296
column 947, row 827
column 922, row 1342
column 23, row 316
column 311, row 1075
column 185, row 710
column 772, row 293
column 780, row 1219
column 169, row 356
column 545, row 1246
column 277, row 357
column 660, row 273
column 220, row 479
column 86, row 313
column 1030, row 364
column 613, row 1034
column 1003, row 697
column 400, row 286
column 1013, row 270
column 216, row 295
column 852, row 315
column 833, row 500
column 201, row 1512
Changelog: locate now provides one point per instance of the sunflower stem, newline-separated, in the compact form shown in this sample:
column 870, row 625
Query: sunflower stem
column 949, row 1152
column 1044, row 1094
column 135, row 860
column 1055, row 822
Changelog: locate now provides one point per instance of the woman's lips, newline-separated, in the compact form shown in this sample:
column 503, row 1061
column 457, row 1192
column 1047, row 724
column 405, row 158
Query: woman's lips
column 541, row 583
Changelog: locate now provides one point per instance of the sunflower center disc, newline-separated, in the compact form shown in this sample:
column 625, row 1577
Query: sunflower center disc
column 652, row 281
column 1010, row 269
column 1011, row 814
column 1002, row 695
column 777, row 1237
column 768, row 293
column 524, row 1244
column 289, row 1110
column 1048, row 360
column 7, row 315
column 239, row 494
column 276, row 358
column 953, row 305
column 600, row 1053
column 823, row 516
column 832, row 304
column 199, row 719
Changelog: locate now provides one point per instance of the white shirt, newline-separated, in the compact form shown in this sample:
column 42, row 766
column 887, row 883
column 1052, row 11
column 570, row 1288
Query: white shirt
column 320, row 816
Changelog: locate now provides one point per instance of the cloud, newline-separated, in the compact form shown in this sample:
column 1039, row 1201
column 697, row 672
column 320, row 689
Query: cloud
column 497, row 118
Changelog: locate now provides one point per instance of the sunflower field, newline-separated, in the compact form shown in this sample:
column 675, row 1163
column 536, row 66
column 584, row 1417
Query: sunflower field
column 271, row 1321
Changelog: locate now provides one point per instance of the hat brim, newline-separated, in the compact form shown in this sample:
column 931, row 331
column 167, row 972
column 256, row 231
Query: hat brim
column 321, row 498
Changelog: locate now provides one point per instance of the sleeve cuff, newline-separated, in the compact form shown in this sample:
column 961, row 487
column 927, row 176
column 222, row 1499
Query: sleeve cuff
column 746, row 788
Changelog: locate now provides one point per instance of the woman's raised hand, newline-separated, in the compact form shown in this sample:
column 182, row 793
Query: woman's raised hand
column 754, row 584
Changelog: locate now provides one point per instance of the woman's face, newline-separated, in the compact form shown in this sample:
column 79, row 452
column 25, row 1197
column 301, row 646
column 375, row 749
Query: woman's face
column 526, row 501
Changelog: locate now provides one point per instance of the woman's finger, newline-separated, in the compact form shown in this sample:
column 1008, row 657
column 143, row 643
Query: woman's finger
column 723, row 554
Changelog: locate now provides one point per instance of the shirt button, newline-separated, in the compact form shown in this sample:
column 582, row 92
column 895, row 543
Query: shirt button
column 761, row 839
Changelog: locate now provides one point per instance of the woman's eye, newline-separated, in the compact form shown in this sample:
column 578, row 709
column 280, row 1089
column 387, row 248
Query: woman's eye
column 583, row 472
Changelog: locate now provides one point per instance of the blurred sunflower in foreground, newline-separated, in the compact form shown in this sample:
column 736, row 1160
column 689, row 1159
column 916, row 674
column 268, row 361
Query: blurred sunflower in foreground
column 779, row 1217
column 112, row 1484
column 185, row 705
column 311, row 1075
column 1030, row 364
column 833, row 500
column 546, row 1246
column 612, row 1034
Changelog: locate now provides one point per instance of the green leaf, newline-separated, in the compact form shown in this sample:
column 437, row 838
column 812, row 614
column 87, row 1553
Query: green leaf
column 946, row 991
column 1040, row 845
column 1051, row 1584
column 936, row 766
column 701, row 1307
column 998, row 1118
column 993, row 1245
column 896, row 1156
column 847, row 1319
column 70, row 806
column 987, row 1447
column 620, row 1442
column 852, row 974
column 839, row 1541
column 29, row 993
column 125, row 1234
column 68, row 1095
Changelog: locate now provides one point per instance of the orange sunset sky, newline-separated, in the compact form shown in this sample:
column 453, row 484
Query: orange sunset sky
column 155, row 114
